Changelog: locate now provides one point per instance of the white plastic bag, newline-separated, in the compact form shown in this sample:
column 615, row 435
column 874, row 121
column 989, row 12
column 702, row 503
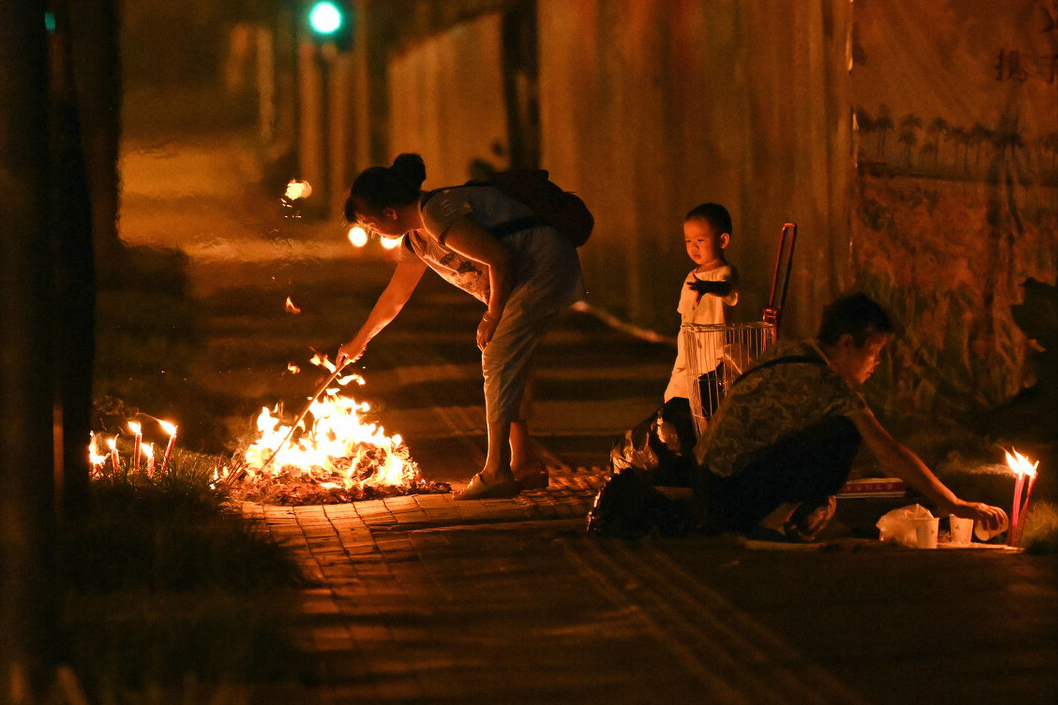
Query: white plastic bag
column 898, row 526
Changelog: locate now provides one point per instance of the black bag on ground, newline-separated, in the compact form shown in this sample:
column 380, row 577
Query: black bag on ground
column 660, row 448
column 629, row 507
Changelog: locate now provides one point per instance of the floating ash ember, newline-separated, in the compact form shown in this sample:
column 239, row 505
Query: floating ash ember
column 331, row 454
column 296, row 189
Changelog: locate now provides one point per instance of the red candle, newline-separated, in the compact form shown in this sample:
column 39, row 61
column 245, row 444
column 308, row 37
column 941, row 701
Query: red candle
column 135, row 428
column 1025, row 505
column 148, row 450
column 1015, row 513
column 113, row 443
column 171, row 429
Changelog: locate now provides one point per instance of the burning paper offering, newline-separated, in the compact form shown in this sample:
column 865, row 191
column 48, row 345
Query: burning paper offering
column 331, row 453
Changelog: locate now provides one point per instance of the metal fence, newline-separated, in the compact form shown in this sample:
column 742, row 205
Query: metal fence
column 716, row 355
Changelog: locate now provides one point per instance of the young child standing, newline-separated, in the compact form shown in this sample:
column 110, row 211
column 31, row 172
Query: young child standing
column 710, row 286
column 659, row 451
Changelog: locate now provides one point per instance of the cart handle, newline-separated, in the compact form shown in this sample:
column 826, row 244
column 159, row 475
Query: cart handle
column 773, row 312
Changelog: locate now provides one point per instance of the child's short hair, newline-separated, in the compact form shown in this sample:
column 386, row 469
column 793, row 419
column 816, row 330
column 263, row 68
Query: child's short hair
column 855, row 314
column 714, row 214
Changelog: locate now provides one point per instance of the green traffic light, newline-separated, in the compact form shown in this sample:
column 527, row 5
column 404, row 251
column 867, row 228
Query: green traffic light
column 325, row 18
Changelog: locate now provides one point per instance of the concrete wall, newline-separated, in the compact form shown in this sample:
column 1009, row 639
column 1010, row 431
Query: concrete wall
column 446, row 101
column 649, row 108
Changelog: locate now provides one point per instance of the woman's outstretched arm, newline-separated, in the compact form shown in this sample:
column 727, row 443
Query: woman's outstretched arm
column 390, row 302
column 903, row 462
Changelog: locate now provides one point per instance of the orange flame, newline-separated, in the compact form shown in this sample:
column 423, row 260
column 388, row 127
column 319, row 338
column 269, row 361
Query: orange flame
column 1021, row 465
column 291, row 308
column 338, row 445
column 297, row 189
column 168, row 427
column 294, row 369
column 322, row 361
column 94, row 456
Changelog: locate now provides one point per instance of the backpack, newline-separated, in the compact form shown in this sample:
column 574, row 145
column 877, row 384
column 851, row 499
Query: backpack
column 532, row 187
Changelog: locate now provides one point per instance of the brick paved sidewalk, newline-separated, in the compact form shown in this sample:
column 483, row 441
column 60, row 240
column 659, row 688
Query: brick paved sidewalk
column 424, row 599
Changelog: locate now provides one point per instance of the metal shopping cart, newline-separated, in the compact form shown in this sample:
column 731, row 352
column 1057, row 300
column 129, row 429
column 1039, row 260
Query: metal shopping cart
column 718, row 353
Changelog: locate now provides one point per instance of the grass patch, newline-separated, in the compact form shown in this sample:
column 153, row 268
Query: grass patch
column 1040, row 533
column 167, row 583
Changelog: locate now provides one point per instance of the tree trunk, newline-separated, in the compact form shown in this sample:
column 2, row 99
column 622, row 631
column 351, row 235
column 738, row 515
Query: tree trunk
column 27, row 517
column 71, row 227
column 96, row 53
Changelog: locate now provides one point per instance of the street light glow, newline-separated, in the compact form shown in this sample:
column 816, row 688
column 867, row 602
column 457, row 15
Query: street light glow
column 325, row 18
column 357, row 236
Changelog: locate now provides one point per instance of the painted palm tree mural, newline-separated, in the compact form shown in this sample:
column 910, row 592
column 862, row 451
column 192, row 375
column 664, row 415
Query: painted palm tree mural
column 957, row 200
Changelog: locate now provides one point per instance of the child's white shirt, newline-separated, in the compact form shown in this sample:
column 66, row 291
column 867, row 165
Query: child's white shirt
column 709, row 309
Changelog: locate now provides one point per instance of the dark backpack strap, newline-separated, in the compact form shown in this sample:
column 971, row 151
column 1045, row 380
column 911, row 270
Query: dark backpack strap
column 500, row 230
column 430, row 194
column 785, row 360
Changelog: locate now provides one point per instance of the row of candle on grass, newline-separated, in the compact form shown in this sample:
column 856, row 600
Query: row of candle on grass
column 139, row 449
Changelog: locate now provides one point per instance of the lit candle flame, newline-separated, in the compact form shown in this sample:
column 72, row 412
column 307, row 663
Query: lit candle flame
column 148, row 451
column 112, row 443
column 357, row 236
column 291, row 308
column 134, row 427
column 168, row 427
column 297, row 189
column 1021, row 465
column 94, row 456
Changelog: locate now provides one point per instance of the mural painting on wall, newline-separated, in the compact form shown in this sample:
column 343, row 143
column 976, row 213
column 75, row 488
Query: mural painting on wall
column 955, row 204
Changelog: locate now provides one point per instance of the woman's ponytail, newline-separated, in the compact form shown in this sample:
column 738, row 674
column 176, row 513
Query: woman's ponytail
column 409, row 171
column 380, row 187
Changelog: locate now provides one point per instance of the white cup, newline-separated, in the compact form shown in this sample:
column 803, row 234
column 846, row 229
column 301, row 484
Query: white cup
column 926, row 530
column 984, row 534
column 961, row 529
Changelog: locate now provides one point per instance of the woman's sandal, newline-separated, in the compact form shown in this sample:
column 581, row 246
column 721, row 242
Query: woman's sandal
column 477, row 488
